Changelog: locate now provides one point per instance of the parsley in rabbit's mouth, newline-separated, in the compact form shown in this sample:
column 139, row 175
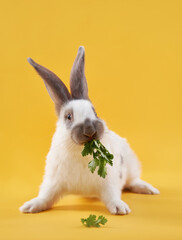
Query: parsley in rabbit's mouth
column 101, row 156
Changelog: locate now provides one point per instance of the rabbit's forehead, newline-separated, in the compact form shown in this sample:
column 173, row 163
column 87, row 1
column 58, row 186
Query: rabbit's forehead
column 81, row 109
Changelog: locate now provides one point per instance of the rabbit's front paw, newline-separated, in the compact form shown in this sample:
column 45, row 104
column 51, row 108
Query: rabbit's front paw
column 118, row 207
column 34, row 206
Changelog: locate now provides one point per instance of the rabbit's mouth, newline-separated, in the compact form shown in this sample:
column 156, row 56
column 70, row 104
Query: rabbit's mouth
column 87, row 131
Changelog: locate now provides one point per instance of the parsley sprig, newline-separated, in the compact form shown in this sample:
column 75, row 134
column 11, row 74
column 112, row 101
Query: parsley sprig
column 91, row 221
column 101, row 157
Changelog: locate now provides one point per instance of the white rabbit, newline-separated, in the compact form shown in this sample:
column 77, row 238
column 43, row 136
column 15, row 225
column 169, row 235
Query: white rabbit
column 66, row 171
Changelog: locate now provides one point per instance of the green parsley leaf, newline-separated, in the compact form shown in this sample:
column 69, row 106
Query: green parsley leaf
column 101, row 156
column 93, row 164
column 88, row 149
column 91, row 221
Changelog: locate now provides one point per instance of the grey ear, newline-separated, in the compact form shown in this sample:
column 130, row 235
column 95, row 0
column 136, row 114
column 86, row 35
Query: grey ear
column 78, row 83
column 55, row 87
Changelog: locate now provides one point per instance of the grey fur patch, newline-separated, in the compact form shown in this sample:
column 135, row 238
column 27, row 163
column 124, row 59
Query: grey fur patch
column 78, row 83
column 77, row 134
column 94, row 112
column 69, row 122
column 99, row 129
column 55, row 87
column 122, row 161
column 89, row 128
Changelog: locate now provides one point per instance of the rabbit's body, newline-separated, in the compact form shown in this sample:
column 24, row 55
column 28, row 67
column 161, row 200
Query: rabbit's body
column 67, row 163
column 67, row 172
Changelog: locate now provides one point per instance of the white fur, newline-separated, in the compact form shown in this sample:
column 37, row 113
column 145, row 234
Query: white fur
column 67, row 172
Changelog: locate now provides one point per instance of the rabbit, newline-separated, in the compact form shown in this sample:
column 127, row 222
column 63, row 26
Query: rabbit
column 66, row 171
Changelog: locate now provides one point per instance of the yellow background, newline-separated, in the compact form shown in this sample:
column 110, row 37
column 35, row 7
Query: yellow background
column 134, row 73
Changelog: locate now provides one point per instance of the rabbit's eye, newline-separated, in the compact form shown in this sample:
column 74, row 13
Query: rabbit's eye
column 69, row 116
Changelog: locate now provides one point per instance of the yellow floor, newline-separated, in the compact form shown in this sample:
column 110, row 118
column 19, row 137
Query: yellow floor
column 152, row 217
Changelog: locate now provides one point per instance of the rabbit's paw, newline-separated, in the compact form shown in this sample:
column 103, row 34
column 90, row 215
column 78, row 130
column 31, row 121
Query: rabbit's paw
column 34, row 206
column 118, row 207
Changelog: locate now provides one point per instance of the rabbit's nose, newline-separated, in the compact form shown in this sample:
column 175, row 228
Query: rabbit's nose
column 88, row 128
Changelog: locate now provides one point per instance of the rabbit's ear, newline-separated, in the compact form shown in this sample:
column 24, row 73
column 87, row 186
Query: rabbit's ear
column 78, row 82
column 55, row 87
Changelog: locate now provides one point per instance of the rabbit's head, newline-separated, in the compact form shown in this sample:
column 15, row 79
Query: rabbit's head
column 75, row 111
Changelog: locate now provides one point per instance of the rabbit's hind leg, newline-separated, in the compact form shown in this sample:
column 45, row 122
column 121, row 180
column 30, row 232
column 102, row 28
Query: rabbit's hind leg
column 139, row 186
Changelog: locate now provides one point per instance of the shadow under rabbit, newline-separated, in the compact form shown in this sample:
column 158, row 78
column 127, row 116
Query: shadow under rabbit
column 82, row 208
